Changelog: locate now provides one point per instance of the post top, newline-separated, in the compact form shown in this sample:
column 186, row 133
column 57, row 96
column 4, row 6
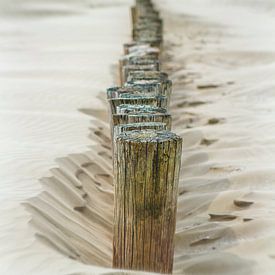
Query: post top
column 142, row 124
column 133, row 88
column 132, row 109
column 138, row 96
column 148, row 135
column 147, row 82
column 147, row 75
column 141, row 52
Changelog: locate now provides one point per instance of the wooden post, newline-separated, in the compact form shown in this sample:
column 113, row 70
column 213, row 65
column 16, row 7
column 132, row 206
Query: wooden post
column 133, row 109
column 145, row 12
column 157, row 101
column 140, row 47
column 132, row 68
column 141, row 31
column 146, row 177
column 149, row 54
column 140, row 113
column 129, row 48
column 136, row 126
column 133, row 15
column 153, row 41
column 146, row 89
column 139, row 126
column 147, row 75
column 163, row 87
column 119, row 119
column 146, row 155
column 143, row 61
column 146, row 26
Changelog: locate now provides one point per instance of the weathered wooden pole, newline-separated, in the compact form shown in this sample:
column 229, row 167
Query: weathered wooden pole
column 119, row 119
column 147, row 75
column 143, row 61
column 156, row 101
column 134, row 114
column 146, row 155
column 130, row 48
column 133, row 15
column 117, row 130
column 163, row 87
column 141, row 88
column 133, row 108
column 139, row 126
column 146, row 178
column 148, row 53
column 145, row 26
column 137, row 67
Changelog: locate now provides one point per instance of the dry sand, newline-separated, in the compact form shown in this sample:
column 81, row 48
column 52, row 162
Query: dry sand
column 55, row 58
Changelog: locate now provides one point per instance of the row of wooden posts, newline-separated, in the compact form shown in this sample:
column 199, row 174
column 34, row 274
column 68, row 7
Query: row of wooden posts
column 146, row 154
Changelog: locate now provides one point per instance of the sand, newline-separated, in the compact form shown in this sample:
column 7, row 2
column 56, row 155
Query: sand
column 55, row 65
column 55, row 57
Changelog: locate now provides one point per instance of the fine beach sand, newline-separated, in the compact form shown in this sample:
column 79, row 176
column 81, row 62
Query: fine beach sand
column 58, row 57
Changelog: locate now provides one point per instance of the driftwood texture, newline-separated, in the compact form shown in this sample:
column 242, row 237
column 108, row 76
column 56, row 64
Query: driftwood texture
column 163, row 87
column 133, row 109
column 146, row 89
column 127, row 114
column 151, row 53
column 137, row 67
column 156, row 101
column 132, row 47
column 146, row 177
column 144, row 61
column 141, row 113
column 133, row 15
column 136, row 126
column 140, row 49
column 147, row 75
column 142, row 117
column 146, row 156
column 139, row 126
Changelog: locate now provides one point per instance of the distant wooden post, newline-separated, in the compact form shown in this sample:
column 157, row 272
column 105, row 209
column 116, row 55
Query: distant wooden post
column 146, row 177
column 161, row 87
column 156, row 101
column 137, row 67
column 143, row 61
column 127, row 114
column 147, row 75
column 145, row 88
column 143, row 114
column 148, row 53
column 139, row 126
column 133, row 15
column 130, row 48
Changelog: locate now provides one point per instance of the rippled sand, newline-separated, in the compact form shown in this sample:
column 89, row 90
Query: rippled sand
column 55, row 60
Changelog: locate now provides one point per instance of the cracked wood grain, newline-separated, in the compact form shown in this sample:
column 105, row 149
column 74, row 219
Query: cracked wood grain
column 146, row 177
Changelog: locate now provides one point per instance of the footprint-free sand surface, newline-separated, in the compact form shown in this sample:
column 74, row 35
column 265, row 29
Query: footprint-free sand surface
column 56, row 199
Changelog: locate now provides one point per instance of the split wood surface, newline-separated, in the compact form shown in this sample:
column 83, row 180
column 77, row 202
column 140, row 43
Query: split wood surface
column 146, row 174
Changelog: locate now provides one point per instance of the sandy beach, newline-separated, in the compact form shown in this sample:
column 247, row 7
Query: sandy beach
column 56, row 202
